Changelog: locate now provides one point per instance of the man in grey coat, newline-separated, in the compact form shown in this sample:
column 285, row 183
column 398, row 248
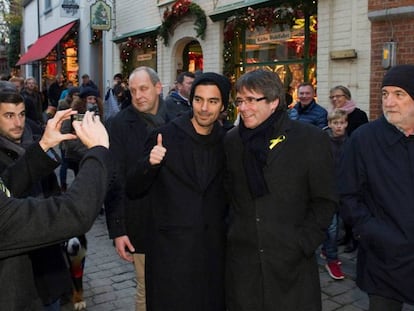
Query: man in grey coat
column 280, row 180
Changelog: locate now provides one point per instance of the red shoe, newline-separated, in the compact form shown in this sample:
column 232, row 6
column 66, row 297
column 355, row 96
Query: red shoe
column 324, row 257
column 334, row 270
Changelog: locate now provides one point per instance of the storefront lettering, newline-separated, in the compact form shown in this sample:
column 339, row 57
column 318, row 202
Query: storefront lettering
column 272, row 37
column 144, row 57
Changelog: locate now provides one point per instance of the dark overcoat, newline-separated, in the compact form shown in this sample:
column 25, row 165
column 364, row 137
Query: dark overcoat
column 185, row 259
column 50, row 270
column 377, row 195
column 272, row 239
column 127, row 215
column 45, row 222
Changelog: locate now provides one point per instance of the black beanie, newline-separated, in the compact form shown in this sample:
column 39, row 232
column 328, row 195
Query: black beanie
column 88, row 91
column 219, row 80
column 401, row 76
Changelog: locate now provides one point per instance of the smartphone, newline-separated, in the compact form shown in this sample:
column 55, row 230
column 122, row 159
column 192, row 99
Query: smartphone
column 75, row 117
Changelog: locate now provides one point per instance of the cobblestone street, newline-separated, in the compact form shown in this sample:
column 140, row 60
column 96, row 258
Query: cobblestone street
column 109, row 282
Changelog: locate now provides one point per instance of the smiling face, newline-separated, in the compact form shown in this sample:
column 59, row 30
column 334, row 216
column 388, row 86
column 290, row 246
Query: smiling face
column 338, row 98
column 254, row 108
column 306, row 94
column 207, row 106
column 398, row 108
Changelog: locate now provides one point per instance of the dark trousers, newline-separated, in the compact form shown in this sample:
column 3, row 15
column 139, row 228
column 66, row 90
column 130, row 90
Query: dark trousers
column 379, row 303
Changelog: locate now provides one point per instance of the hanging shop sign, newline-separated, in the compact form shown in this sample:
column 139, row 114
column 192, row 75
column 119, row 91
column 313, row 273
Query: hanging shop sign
column 100, row 15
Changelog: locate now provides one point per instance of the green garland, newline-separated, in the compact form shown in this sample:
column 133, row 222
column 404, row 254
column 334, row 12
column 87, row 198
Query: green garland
column 180, row 9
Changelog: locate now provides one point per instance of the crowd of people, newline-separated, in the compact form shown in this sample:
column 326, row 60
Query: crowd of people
column 213, row 217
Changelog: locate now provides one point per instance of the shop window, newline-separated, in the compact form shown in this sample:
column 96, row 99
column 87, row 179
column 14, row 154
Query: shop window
column 48, row 5
column 137, row 52
column 281, row 39
column 193, row 57
column 290, row 51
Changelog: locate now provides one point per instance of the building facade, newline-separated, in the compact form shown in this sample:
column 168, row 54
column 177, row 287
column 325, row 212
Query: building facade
column 57, row 38
column 298, row 47
column 326, row 42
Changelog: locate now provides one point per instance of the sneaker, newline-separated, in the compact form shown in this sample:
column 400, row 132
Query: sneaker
column 323, row 256
column 334, row 270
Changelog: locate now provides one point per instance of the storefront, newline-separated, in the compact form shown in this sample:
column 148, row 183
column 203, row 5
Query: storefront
column 138, row 48
column 280, row 39
column 55, row 52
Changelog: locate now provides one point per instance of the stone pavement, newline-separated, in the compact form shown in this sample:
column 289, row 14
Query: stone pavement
column 109, row 282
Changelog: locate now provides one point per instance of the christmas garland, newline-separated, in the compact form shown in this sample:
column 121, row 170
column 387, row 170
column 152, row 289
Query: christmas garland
column 179, row 10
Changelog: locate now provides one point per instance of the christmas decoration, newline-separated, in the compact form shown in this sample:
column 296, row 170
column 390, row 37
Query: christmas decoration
column 178, row 11
column 285, row 16
column 127, row 51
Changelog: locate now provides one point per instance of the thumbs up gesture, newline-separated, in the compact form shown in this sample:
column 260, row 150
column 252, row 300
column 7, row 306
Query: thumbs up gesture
column 157, row 152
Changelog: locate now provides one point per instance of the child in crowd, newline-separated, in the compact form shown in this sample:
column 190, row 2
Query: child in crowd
column 337, row 123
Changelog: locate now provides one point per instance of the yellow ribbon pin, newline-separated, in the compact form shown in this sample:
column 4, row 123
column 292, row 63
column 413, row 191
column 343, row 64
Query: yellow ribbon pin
column 274, row 142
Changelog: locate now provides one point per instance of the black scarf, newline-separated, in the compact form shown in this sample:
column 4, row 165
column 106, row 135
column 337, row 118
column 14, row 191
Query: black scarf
column 256, row 148
column 157, row 120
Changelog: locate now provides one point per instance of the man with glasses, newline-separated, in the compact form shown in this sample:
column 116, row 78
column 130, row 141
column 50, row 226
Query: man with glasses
column 280, row 181
column 307, row 110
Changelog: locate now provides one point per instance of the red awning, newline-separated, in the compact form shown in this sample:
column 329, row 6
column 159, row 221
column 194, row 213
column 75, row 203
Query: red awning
column 44, row 45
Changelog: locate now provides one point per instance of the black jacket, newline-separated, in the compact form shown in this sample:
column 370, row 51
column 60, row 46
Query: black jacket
column 185, row 256
column 355, row 119
column 128, row 131
column 50, row 271
column 45, row 221
column 271, row 243
column 377, row 200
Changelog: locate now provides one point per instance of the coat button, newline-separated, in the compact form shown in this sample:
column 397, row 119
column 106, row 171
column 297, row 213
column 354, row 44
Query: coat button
column 257, row 219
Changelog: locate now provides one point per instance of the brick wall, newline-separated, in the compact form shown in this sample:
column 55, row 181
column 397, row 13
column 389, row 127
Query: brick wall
column 398, row 28
column 382, row 4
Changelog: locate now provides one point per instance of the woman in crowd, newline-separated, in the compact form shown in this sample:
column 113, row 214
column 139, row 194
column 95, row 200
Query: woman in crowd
column 340, row 97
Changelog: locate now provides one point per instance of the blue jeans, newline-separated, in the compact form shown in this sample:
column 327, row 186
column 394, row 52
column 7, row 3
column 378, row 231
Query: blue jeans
column 55, row 306
column 330, row 244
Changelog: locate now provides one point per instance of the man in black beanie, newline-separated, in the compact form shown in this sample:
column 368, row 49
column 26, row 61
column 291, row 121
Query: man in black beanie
column 377, row 195
column 184, row 174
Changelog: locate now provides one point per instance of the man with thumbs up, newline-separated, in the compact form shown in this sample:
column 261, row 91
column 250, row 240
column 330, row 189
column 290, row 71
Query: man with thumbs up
column 128, row 131
column 185, row 254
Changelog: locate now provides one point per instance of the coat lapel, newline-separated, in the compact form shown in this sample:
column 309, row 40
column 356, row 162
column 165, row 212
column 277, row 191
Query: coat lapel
column 279, row 139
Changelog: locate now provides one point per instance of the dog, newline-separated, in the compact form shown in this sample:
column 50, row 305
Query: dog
column 76, row 251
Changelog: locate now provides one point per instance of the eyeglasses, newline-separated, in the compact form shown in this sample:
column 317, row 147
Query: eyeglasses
column 248, row 100
column 336, row 96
